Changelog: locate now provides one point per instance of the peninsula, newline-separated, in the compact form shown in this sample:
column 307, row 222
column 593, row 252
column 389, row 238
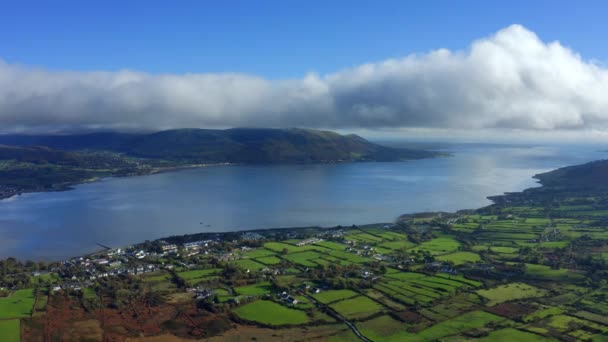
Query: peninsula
column 33, row 163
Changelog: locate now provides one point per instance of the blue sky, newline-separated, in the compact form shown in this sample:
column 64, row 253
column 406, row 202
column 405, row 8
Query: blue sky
column 273, row 39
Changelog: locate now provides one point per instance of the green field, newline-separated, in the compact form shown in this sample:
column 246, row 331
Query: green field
column 269, row 260
column 385, row 328
column 254, row 290
column 546, row 272
column 460, row 258
column 546, row 312
column 332, row 245
column 280, row 246
column 156, row 277
column 10, row 330
column 258, row 253
column 468, row 321
column 304, row 258
column 271, row 313
column 439, row 246
column 510, row 334
column 334, row 295
column 198, row 274
column 396, row 245
column 18, row 304
column 357, row 308
column 405, row 275
column 250, row 264
column 509, row 292
column 89, row 293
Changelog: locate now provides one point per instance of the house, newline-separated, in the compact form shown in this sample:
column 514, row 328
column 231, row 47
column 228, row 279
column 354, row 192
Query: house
column 115, row 263
column 366, row 274
column 102, row 261
column 308, row 242
column 287, row 298
column 140, row 254
column 290, row 300
column 113, row 252
column 204, row 293
column 447, row 269
column 170, row 248
column 251, row 236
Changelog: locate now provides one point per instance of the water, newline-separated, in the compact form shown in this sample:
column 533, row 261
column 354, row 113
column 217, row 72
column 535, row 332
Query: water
column 120, row 211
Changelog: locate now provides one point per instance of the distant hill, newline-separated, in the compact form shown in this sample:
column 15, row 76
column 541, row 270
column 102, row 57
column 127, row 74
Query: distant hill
column 34, row 154
column 237, row 145
column 589, row 175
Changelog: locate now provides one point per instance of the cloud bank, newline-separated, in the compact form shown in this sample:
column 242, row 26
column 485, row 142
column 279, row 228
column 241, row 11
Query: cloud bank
column 510, row 80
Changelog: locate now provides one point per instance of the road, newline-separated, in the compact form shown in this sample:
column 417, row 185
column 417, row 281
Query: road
column 338, row 316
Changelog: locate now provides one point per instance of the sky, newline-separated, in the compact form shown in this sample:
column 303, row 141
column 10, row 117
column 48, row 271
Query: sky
column 466, row 68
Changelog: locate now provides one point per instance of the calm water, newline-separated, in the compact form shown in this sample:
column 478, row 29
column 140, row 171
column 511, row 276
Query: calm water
column 121, row 211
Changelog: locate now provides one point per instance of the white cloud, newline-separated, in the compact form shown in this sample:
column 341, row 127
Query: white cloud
column 510, row 80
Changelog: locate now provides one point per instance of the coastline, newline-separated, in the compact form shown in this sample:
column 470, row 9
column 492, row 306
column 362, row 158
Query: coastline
column 67, row 186
column 70, row 185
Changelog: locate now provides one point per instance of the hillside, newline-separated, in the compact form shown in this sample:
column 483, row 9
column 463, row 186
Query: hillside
column 237, row 145
column 589, row 175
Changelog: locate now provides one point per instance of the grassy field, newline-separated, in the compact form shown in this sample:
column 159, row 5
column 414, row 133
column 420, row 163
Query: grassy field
column 357, row 308
column 385, row 328
column 197, row 274
column 396, row 245
column 468, row 321
column 510, row 334
column 10, row 330
column 405, row 275
column 88, row 293
column 439, row 246
column 509, row 292
column 271, row 313
column 280, row 246
column 156, row 277
column 546, row 272
column 259, row 253
column 269, row 260
column 545, row 312
column 304, row 258
column 459, row 258
column 250, row 264
column 332, row 245
column 18, row 304
column 460, row 278
column 254, row 290
column 334, row 295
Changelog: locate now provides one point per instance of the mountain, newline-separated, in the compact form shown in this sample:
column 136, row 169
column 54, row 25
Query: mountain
column 237, row 145
column 92, row 141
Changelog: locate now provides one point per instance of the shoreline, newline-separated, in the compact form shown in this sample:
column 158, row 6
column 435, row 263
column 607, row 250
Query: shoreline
column 70, row 185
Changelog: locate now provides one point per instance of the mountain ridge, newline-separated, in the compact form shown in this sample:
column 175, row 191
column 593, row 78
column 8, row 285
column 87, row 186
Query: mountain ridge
column 234, row 145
